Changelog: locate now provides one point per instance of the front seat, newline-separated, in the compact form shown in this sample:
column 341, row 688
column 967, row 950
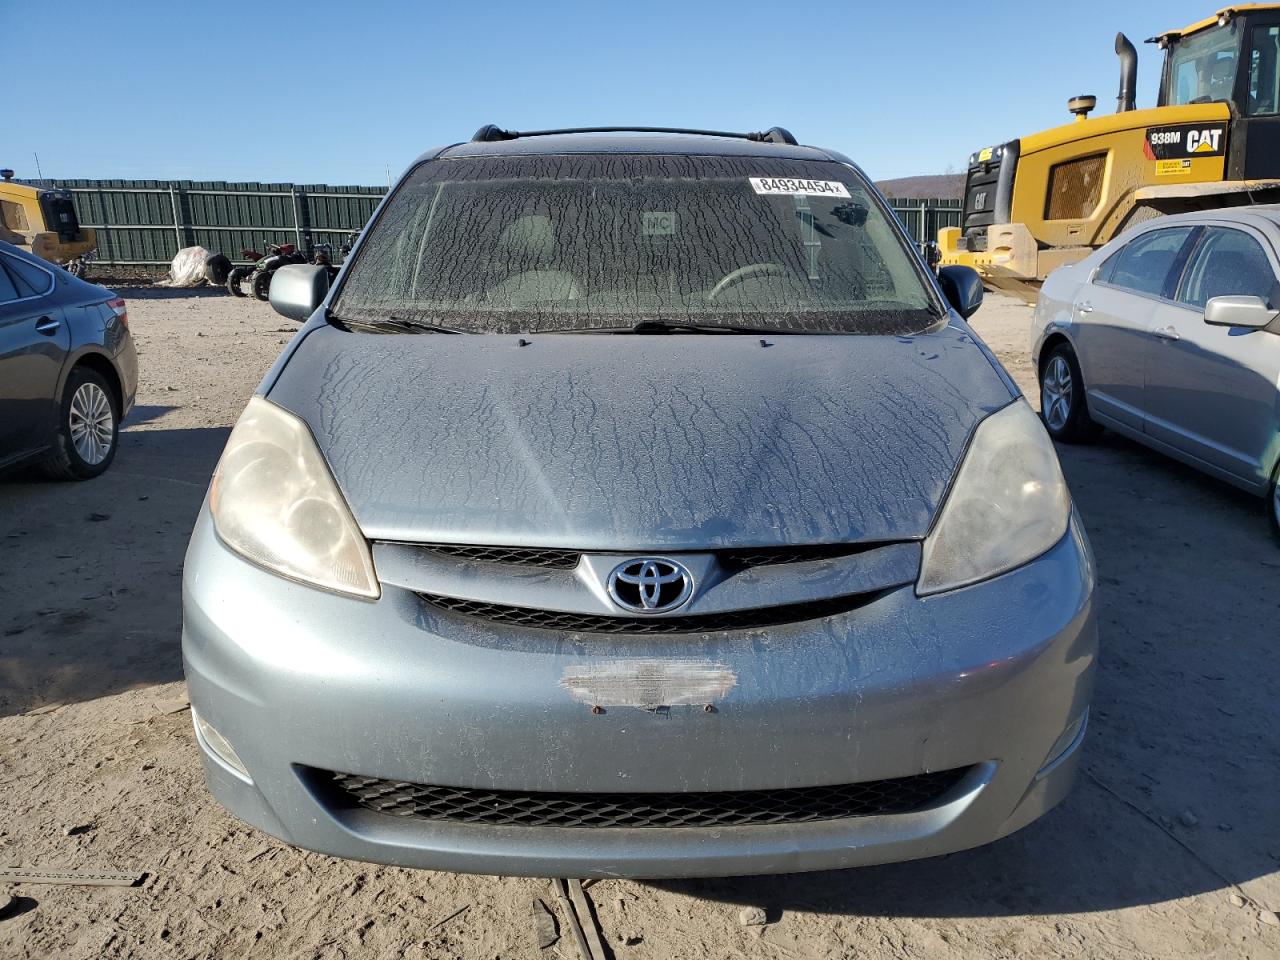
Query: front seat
column 529, row 244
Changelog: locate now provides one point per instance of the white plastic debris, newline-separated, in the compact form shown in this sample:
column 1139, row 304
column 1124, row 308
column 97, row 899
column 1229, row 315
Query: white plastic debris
column 187, row 269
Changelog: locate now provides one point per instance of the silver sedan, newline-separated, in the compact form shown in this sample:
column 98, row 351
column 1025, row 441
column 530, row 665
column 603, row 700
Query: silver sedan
column 1170, row 335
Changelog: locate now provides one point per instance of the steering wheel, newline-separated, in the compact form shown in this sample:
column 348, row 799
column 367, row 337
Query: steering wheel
column 745, row 273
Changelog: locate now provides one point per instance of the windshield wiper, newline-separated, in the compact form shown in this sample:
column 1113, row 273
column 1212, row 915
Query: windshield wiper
column 651, row 325
column 395, row 324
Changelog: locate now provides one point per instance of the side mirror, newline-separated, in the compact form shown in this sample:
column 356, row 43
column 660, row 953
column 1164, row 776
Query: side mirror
column 1250, row 312
column 297, row 289
column 963, row 289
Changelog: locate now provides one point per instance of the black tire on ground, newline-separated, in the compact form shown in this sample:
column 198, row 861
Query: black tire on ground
column 234, row 279
column 78, row 268
column 1063, row 406
column 217, row 268
column 262, row 285
column 88, row 428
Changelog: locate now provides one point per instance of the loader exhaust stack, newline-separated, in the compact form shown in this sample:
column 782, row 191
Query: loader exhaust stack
column 1126, row 101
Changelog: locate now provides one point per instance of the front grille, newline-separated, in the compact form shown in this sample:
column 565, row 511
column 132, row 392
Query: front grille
column 522, row 556
column 1075, row 187
column 695, row 623
column 568, row 559
column 728, row 808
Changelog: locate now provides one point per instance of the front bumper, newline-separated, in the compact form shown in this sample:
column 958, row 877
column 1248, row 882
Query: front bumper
column 1010, row 252
column 1012, row 260
column 48, row 246
column 988, row 677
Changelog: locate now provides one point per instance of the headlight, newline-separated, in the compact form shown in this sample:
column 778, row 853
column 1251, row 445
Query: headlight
column 275, row 503
column 1008, row 504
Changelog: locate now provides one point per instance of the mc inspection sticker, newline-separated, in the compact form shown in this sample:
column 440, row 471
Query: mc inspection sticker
column 792, row 187
column 658, row 223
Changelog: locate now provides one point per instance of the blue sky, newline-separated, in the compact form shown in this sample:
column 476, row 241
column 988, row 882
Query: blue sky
column 348, row 92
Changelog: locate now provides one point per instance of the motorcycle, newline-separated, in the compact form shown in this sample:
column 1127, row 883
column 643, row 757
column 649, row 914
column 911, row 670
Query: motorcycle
column 322, row 256
column 259, row 274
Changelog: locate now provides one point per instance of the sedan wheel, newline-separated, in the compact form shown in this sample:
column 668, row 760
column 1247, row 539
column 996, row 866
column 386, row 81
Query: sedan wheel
column 1062, row 399
column 88, row 428
column 1275, row 503
column 92, row 424
column 1056, row 391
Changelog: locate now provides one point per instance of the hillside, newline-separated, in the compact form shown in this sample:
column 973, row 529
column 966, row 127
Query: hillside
column 943, row 186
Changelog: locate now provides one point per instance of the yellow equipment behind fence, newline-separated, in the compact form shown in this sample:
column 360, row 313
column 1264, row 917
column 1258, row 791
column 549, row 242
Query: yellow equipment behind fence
column 1213, row 140
column 44, row 222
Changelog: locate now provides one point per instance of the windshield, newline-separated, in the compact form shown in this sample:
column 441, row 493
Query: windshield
column 583, row 242
column 1202, row 66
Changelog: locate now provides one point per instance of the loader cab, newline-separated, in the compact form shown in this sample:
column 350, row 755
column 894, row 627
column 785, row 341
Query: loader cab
column 1233, row 57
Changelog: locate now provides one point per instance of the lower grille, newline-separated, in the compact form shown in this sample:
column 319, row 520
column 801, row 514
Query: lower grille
column 730, row 808
column 529, row 617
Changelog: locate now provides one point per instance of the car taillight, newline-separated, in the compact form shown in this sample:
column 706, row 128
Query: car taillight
column 118, row 308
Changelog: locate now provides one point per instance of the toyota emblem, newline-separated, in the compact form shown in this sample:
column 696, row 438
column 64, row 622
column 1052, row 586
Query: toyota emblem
column 650, row 585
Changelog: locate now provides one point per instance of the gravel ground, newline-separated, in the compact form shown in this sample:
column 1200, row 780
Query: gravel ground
column 1169, row 846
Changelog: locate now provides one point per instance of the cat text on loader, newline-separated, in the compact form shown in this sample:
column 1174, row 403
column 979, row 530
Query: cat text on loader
column 1213, row 140
column 43, row 221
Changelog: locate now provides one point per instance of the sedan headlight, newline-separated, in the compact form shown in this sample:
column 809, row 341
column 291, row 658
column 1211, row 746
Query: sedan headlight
column 275, row 503
column 1007, row 505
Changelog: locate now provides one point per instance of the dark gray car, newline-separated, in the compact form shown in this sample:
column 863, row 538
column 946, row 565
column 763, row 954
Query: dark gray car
column 637, row 506
column 68, row 369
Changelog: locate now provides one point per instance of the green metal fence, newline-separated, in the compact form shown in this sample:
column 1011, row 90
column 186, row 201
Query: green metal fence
column 143, row 223
column 924, row 218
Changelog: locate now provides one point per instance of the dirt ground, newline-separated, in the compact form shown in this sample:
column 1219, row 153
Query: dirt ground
column 1169, row 846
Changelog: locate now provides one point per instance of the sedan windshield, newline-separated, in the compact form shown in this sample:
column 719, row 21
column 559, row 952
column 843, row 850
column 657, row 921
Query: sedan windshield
column 644, row 243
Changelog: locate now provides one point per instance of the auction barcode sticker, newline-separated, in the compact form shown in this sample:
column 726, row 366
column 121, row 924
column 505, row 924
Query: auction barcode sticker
column 792, row 187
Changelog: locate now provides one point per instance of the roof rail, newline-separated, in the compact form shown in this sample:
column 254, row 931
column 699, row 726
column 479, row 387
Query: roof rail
column 490, row 133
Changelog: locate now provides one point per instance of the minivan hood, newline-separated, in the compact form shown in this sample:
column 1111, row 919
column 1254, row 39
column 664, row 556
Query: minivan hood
column 630, row 442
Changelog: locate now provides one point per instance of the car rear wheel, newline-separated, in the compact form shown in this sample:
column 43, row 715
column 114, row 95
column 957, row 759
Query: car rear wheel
column 1274, row 501
column 1062, row 401
column 88, row 428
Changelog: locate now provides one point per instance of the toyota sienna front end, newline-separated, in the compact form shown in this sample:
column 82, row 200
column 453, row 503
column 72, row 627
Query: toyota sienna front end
column 637, row 505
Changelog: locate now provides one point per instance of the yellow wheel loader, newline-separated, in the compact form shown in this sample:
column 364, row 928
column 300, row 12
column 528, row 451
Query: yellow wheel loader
column 1213, row 140
column 44, row 222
